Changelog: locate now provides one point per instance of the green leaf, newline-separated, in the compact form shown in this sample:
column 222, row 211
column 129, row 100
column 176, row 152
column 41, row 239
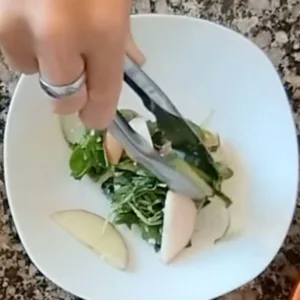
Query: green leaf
column 185, row 141
column 129, row 219
column 199, row 131
column 128, row 165
column 128, row 114
column 158, row 139
column 211, row 141
column 78, row 163
column 106, row 175
column 152, row 234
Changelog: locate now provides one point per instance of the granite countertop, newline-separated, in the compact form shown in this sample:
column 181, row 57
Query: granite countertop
column 274, row 25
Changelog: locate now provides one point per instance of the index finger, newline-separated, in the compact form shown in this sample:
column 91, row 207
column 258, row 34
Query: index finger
column 104, row 69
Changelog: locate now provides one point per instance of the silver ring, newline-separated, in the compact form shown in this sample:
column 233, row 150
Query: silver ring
column 59, row 91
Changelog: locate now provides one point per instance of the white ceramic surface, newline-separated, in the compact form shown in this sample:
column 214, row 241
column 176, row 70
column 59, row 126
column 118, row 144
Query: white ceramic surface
column 204, row 68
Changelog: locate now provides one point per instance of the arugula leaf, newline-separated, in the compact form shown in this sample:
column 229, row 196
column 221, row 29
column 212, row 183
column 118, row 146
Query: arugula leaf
column 152, row 234
column 137, row 199
column 129, row 219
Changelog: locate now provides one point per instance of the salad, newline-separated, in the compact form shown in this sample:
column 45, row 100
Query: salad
column 165, row 219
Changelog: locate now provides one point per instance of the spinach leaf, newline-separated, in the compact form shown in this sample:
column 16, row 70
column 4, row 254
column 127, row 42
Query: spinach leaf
column 88, row 157
column 79, row 163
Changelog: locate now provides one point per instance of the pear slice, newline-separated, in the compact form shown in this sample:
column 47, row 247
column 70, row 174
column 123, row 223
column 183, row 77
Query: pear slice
column 96, row 233
column 113, row 148
column 72, row 127
column 180, row 215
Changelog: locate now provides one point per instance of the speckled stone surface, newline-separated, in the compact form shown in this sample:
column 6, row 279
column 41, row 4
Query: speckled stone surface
column 274, row 25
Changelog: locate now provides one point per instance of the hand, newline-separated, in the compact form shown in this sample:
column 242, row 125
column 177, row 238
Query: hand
column 62, row 38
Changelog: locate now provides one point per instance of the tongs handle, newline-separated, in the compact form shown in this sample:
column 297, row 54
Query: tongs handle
column 150, row 93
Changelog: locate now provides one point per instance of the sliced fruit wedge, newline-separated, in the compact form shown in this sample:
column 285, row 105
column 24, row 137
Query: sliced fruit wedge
column 113, row 148
column 179, row 222
column 96, row 233
column 213, row 223
column 72, row 128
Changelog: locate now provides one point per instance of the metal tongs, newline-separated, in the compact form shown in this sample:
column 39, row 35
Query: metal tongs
column 155, row 100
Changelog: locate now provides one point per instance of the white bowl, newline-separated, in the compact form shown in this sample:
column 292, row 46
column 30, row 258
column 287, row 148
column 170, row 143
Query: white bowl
column 204, row 68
